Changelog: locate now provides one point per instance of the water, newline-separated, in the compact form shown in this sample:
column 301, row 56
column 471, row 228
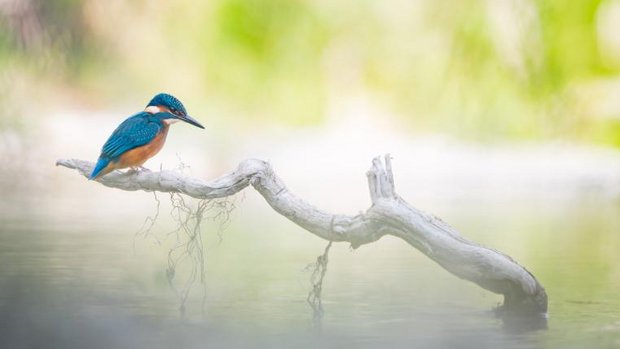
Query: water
column 73, row 275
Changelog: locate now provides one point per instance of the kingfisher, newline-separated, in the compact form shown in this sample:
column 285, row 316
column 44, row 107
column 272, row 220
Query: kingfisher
column 141, row 135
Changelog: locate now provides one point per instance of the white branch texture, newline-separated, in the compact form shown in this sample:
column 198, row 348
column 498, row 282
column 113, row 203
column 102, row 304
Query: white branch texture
column 388, row 215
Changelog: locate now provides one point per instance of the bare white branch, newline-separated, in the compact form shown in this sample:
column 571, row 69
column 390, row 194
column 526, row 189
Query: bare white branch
column 389, row 214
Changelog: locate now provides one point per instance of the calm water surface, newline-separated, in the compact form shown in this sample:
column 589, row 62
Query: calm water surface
column 73, row 275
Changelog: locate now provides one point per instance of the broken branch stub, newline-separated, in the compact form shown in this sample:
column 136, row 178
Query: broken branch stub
column 388, row 215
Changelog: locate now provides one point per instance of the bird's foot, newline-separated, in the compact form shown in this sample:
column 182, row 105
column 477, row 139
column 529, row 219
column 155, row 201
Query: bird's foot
column 137, row 169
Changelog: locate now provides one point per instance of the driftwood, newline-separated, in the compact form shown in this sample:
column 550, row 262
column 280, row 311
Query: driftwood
column 388, row 215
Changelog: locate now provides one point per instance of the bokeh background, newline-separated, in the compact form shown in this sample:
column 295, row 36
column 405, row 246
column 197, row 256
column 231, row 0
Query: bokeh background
column 475, row 69
column 503, row 118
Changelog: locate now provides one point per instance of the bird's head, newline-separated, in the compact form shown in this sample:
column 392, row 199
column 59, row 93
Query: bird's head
column 171, row 107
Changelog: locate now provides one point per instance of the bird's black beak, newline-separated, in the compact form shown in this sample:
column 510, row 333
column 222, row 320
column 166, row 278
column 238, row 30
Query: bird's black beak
column 190, row 120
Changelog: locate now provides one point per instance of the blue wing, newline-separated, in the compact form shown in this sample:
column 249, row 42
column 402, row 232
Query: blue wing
column 134, row 132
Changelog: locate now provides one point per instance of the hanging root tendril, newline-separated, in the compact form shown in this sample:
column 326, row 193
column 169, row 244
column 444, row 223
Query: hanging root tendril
column 189, row 250
column 188, row 247
column 146, row 228
column 319, row 268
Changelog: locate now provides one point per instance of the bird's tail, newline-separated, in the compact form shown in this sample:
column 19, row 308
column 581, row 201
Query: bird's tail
column 101, row 164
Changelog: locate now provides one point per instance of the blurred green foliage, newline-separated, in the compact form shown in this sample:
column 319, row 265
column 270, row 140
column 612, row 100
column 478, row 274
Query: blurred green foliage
column 532, row 69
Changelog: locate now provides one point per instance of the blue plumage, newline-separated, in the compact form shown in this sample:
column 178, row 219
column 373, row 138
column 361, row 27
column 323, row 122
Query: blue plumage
column 137, row 130
column 147, row 129
column 170, row 101
column 101, row 164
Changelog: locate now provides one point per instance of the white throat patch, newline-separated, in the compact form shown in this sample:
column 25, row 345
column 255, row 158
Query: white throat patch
column 169, row 121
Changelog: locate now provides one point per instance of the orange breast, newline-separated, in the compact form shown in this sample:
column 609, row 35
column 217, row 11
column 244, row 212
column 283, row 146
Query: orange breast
column 139, row 155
